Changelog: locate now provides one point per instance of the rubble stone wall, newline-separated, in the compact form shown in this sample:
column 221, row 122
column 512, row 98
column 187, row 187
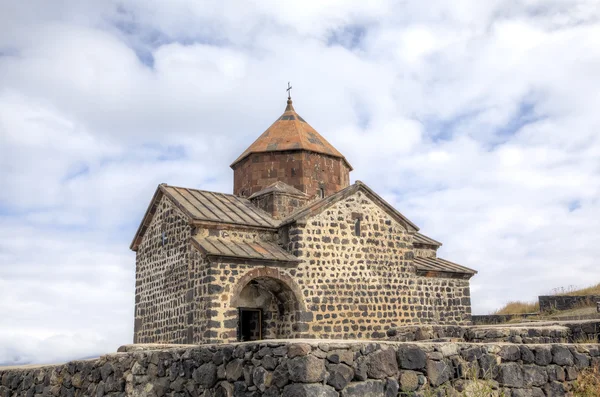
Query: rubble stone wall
column 358, row 285
column 351, row 283
column 347, row 286
column 564, row 302
column 315, row 368
column 162, row 278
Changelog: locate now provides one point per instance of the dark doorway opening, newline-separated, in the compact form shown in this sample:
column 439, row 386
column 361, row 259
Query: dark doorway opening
column 250, row 325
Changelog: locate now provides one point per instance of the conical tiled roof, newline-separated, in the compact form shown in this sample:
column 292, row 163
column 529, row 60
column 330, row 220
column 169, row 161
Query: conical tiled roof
column 291, row 132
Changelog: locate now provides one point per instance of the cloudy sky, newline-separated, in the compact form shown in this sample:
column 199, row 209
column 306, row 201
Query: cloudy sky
column 479, row 120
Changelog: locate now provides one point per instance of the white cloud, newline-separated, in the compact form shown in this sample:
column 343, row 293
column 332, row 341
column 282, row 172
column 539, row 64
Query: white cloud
column 478, row 120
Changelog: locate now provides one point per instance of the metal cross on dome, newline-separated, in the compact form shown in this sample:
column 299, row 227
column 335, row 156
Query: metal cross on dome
column 289, row 91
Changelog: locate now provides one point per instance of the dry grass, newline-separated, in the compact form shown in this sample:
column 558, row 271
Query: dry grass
column 517, row 307
column 587, row 383
column 592, row 290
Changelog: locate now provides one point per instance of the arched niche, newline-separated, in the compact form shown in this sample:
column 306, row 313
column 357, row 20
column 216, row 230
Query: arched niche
column 273, row 296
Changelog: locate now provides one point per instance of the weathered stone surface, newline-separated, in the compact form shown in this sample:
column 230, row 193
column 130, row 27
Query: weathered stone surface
column 300, row 349
column 234, row 369
column 339, row 375
column 306, row 369
column 411, row 357
column 438, row 372
column 369, row 388
column 281, row 375
column 543, row 355
column 301, row 390
column 382, row 364
column 391, row 388
column 261, row 378
column 206, row 375
column 511, row 375
column 341, row 356
column 561, row 355
column 534, row 375
column 555, row 389
column 510, row 353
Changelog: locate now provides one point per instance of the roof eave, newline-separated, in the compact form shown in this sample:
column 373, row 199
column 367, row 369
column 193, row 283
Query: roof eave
column 231, row 225
column 253, row 261
column 442, row 274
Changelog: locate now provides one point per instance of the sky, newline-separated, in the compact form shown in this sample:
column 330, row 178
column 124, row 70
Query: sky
column 478, row 120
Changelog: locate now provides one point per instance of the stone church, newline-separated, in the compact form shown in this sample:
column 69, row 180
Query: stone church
column 295, row 252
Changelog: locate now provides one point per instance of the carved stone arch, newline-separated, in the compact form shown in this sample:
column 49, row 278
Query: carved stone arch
column 279, row 299
column 286, row 285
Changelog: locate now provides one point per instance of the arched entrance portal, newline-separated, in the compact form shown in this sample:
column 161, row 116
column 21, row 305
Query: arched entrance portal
column 269, row 306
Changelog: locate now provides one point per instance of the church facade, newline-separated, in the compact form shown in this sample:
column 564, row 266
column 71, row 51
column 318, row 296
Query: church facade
column 295, row 252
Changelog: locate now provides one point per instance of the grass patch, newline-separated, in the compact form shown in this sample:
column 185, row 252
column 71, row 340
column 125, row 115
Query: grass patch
column 592, row 290
column 587, row 383
column 517, row 307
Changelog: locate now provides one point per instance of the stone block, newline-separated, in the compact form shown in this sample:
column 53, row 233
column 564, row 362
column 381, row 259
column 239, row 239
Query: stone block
column 306, row 369
column 411, row 357
column 369, row 388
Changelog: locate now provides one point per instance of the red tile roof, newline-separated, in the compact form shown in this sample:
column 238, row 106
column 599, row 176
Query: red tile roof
column 290, row 132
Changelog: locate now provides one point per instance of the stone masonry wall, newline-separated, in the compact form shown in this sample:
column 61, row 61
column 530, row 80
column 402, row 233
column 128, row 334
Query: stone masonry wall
column 162, row 274
column 315, row 369
column 358, row 285
column 565, row 302
column 306, row 171
column 347, row 286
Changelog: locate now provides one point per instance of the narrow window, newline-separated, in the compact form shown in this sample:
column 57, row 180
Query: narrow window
column 163, row 234
column 357, row 227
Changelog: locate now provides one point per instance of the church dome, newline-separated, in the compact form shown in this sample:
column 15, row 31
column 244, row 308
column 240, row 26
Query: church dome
column 290, row 132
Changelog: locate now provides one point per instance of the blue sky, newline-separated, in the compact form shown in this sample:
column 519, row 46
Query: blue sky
column 477, row 120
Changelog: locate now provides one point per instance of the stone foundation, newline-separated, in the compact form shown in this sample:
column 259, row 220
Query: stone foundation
column 524, row 333
column 313, row 368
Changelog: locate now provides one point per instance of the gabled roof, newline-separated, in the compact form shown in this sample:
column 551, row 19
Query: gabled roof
column 280, row 187
column 419, row 238
column 226, row 248
column 439, row 265
column 291, row 132
column 205, row 206
column 328, row 201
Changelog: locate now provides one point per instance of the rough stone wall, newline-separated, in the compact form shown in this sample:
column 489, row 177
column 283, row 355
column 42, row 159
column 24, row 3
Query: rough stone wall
column 162, row 274
column 279, row 205
column 527, row 333
column 347, row 286
column 306, row 171
column 489, row 319
column 224, row 289
column 564, row 302
column 315, row 368
column 358, row 285
column 442, row 300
